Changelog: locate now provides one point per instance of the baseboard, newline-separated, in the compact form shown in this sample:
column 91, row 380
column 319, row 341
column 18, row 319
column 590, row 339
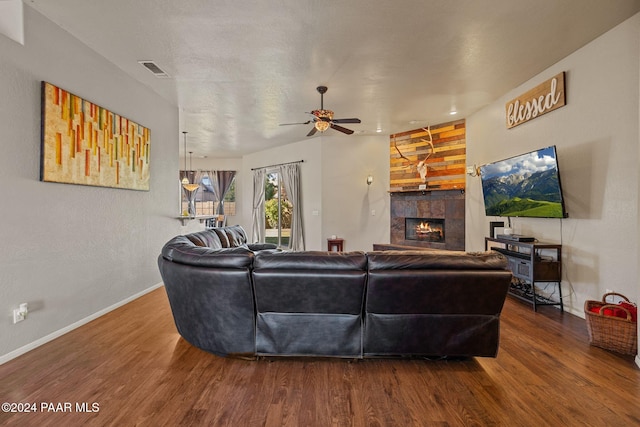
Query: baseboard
column 37, row 343
column 638, row 360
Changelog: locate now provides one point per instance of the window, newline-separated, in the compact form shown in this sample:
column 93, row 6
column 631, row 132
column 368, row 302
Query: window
column 277, row 211
column 205, row 201
column 230, row 200
column 209, row 205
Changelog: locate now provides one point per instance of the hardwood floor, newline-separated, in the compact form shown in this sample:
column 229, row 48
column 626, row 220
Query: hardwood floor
column 134, row 366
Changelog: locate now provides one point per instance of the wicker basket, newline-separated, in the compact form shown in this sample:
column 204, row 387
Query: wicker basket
column 610, row 332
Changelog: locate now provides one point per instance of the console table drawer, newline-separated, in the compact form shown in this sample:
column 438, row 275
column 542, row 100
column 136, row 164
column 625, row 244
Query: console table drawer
column 543, row 271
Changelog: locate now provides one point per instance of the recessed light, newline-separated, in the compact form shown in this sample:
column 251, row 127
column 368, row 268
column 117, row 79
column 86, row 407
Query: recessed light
column 453, row 112
column 379, row 130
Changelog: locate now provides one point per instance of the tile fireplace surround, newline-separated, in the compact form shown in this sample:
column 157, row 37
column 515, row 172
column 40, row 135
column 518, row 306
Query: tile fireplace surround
column 447, row 205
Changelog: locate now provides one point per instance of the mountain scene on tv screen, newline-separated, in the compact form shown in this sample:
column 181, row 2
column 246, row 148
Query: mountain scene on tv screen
column 525, row 186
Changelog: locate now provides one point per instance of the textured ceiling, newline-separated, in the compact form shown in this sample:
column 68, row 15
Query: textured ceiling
column 237, row 69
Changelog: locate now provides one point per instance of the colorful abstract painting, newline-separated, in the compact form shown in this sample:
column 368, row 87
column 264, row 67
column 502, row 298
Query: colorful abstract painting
column 83, row 143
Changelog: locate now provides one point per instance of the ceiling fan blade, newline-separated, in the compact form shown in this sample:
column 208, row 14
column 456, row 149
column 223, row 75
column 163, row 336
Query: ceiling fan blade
column 312, row 131
column 353, row 120
column 300, row 123
column 341, row 129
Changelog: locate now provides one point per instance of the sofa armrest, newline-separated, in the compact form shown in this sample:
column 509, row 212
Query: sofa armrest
column 261, row 246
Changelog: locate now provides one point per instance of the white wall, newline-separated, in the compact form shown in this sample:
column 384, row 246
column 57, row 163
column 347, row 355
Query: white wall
column 72, row 251
column 597, row 140
column 334, row 186
column 353, row 210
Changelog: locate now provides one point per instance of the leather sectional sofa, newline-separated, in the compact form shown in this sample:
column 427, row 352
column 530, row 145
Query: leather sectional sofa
column 231, row 298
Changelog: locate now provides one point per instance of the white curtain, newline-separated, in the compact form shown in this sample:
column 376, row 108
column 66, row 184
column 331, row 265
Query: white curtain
column 208, row 186
column 199, row 174
column 290, row 175
column 258, row 232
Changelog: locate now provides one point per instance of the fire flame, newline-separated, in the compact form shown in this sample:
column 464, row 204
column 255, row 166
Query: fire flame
column 424, row 226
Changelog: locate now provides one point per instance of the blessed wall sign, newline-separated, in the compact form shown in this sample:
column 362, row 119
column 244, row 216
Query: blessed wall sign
column 543, row 98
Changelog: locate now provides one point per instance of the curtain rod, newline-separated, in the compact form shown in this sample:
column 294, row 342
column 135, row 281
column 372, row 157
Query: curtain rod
column 280, row 164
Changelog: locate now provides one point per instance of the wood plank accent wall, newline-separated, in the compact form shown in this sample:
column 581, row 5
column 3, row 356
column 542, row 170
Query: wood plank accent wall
column 445, row 168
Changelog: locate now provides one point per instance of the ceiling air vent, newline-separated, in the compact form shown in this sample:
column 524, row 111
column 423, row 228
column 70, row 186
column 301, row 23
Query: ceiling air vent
column 157, row 71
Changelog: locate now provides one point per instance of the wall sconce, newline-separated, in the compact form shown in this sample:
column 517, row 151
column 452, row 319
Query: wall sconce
column 369, row 179
column 473, row 170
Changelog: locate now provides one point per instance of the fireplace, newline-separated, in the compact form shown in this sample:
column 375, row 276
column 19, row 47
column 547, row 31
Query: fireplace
column 424, row 229
column 442, row 209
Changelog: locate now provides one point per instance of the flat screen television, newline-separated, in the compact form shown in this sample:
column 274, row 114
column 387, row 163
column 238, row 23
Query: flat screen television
column 527, row 185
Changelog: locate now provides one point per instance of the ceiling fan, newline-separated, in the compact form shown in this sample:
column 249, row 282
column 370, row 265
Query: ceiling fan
column 323, row 119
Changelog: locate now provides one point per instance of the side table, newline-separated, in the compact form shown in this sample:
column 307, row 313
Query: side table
column 335, row 243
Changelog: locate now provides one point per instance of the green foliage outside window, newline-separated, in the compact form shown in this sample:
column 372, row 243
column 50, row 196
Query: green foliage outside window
column 271, row 213
column 231, row 193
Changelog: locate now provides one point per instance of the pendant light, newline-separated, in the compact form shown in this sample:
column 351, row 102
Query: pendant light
column 185, row 181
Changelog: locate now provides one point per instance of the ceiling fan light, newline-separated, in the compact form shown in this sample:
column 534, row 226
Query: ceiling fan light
column 325, row 114
column 322, row 125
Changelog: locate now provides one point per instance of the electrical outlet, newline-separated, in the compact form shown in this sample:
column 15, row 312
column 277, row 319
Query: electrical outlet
column 19, row 314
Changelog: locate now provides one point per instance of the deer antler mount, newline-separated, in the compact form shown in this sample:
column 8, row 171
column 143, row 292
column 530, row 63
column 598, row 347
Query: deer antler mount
column 421, row 165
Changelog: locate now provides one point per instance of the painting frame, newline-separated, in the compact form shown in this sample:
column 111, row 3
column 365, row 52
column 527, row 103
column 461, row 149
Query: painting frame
column 85, row 144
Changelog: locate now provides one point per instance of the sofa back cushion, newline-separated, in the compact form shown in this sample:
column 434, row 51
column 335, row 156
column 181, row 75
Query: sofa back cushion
column 222, row 235
column 309, row 303
column 435, row 260
column 310, row 282
column 231, row 236
column 206, row 238
column 444, row 282
column 182, row 250
column 235, row 235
